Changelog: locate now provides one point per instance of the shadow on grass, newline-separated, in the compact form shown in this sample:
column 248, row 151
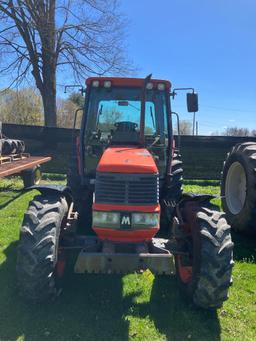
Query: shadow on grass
column 8, row 195
column 89, row 309
column 204, row 183
column 92, row 307
column 175, row 316
column 10, row 188
column 244, row 247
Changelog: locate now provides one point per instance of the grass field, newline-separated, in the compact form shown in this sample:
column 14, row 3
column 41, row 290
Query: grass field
column 132, row 307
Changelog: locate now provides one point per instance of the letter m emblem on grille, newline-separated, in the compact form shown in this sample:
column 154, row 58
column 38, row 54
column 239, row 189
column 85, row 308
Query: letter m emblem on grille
column 125, row 220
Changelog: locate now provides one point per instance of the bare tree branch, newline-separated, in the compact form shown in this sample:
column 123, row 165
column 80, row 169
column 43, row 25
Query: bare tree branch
column 81, row 37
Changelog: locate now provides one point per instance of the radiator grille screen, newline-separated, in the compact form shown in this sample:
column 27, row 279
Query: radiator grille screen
column 137, row 189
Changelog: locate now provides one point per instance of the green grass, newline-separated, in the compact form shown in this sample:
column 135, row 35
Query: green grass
column 132, row 307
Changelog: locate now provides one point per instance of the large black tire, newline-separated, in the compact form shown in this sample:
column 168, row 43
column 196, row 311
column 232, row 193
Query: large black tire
column 12, row 146
column 31, row 176
column 177, row 176
column 7, row 147
column 172, row 193
column 38, row 246
column 238, row 187
column 211, row 257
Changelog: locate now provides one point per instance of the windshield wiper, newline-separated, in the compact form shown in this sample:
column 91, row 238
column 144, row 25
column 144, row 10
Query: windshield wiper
column 152, row 117
column 99, row 114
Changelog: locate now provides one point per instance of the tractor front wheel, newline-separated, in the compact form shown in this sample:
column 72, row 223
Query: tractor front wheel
column 205, row 274
column 38, row 246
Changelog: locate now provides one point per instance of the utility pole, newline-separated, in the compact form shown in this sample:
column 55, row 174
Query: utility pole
column 196, row 128
column 194, row 120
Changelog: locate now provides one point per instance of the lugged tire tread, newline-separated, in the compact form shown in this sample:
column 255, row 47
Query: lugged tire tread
column 214, row 278
column 173, row 192
column 177, row 172
column 37, row 249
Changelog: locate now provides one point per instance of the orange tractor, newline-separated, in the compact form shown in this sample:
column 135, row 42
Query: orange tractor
column 125, row 191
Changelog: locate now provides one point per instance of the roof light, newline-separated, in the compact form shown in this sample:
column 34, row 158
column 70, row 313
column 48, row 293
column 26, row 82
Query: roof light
column 96, row 83
column 149, row 86
column 107, row 84
column 160, row 86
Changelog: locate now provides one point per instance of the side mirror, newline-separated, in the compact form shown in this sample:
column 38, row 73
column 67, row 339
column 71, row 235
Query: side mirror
column 192, row 102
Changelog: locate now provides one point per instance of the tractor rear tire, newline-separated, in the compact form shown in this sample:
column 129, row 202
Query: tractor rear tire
column 212, row 260
column 172, row 194
column 38, row 247
column 238, row 187
column 31, row 176
column 177, row 176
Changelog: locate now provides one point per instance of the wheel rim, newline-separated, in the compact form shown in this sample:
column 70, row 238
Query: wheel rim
column 37, row 177
column 235, row 188
column 185, row 271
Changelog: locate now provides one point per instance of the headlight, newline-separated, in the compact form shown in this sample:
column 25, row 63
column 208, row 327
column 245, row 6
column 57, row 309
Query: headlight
column 105, row 219
column 95, row 83
column 111, row 220
column 160, row 86
column 107, row 84
column 145, row 219
column 149, row 86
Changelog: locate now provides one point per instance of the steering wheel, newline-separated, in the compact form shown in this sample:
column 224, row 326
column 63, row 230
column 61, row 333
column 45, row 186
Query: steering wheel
column 126, row 126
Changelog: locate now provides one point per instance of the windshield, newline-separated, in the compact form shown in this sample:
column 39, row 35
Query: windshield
column 108, row 107
column 113, row 111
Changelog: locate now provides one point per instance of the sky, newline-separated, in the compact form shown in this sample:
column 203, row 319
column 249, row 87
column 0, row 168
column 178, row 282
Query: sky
column 206, row 44
column 209, row 45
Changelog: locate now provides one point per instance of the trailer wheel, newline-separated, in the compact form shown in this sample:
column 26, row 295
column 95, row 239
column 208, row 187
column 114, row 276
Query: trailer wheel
column 238, row 187
column 205, row 275
column 31, row 176
column 38, row 246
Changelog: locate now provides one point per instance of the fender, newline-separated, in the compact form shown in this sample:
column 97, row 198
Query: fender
column 197, row 197
column 61, row 189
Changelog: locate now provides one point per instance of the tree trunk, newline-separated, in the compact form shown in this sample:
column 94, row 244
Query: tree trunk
column 49, row 102
column 48, row 38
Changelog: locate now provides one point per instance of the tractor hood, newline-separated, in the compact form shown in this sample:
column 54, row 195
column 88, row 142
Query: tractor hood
column 127, row 160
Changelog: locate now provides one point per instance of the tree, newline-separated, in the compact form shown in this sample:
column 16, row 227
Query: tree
column 253, row 132
column 236, row 131
column 108, row 118
column 21, row 107
column 185, row 127
column 65, row 113
column 41, row 36
column 77, row 99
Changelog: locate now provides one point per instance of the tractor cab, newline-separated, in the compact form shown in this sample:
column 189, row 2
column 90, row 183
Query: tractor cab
column 125, row 112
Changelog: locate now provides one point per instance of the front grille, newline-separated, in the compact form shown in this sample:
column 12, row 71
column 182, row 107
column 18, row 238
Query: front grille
column 132, row 189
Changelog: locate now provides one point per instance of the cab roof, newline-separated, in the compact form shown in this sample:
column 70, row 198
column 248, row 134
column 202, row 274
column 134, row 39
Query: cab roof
column 129, row 82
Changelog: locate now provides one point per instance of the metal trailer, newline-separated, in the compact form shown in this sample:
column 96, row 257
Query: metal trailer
column 28, row 167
